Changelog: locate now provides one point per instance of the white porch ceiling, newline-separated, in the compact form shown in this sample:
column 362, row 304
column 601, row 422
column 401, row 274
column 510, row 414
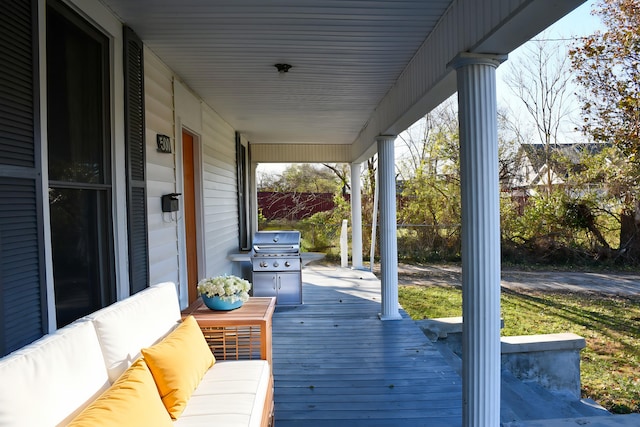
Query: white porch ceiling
column 347, row 56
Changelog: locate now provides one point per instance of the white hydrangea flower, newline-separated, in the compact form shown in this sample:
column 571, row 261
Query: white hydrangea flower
column 228, row 288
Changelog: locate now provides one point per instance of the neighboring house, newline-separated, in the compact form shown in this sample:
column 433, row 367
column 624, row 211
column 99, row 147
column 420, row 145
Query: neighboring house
column 115, row 111
column 533, row 172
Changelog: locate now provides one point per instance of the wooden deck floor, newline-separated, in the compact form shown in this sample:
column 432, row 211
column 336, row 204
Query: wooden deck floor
column 336, row 364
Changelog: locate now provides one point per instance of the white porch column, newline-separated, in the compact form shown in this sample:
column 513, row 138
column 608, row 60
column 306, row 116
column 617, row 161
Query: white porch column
column 356, row 216
column 480, row 238
column 388, row 225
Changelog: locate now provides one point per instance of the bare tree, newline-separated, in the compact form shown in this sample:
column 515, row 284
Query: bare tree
column 428, row 143
column 541, row 79
column 342, row 171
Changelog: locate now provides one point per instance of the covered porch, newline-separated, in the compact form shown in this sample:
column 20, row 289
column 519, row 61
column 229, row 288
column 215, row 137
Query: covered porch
column 336, row 364
column 192, row 99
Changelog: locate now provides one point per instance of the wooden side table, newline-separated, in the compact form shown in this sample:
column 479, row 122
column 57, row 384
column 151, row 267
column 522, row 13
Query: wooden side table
column 244, row 333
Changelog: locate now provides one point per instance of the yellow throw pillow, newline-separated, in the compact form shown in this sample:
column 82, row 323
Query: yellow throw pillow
column 133, row 400
column 178, row 364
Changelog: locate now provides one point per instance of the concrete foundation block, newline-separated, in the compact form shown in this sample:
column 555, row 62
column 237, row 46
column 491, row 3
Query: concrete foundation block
column 551, row 360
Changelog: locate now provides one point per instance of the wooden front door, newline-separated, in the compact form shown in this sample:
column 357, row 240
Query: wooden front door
column 189, row 198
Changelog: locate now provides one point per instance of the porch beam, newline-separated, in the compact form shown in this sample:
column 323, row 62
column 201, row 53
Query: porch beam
column 356, row 216
column 388, row 227
column 489, row 26
column 477, row 110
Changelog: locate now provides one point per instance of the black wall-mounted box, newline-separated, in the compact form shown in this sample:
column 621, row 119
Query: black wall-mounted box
column 170, row 202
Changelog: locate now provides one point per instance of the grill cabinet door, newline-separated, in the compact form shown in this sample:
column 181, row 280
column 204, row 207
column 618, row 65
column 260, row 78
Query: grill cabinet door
column 264, row 284
column 289, row 288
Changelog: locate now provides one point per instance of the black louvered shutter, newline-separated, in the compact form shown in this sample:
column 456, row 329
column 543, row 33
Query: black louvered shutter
column 22, row 279
column 241, row 173
column 135, row 150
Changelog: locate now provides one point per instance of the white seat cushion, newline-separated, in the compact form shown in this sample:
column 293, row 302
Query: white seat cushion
column 232, row 393
column 136, row 322
column 50, row 381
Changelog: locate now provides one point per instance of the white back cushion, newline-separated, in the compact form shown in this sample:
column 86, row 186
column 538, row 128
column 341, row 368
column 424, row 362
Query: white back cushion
column 50, row 381
column 139, row 321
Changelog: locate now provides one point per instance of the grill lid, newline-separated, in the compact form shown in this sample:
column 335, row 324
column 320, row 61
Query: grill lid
column 285, row 241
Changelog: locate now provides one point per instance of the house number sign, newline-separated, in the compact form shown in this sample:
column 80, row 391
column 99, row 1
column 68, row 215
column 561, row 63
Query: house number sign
column 164, row 143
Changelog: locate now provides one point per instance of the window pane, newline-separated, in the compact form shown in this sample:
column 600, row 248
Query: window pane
column 80, row 237
column 75, row 98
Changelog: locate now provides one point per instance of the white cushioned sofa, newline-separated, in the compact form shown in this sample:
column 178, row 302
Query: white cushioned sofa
column 54, row 380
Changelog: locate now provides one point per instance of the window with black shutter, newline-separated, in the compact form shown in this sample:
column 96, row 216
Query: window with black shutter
column 243, row 215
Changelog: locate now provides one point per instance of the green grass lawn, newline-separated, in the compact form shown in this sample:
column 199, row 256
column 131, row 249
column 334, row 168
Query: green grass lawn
column 610, row 368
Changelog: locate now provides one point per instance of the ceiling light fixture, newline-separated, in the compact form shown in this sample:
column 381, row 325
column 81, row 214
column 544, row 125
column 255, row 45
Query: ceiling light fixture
column 282, row 68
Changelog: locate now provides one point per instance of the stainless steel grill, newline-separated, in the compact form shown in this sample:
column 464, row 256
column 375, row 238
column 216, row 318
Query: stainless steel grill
column 276, row 266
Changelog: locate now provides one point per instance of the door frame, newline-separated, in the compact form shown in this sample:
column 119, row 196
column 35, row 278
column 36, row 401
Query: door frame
column 198, row 206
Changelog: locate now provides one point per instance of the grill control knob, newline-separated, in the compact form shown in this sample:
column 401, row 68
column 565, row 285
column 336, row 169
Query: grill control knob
column 263, row 264
column 275, row 264
column 287, row 264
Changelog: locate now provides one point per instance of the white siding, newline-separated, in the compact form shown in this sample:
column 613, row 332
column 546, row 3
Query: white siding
column 220, row 203
column 163, row 242
column 170, row 105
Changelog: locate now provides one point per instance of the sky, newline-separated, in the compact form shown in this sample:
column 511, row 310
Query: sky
column 577, row 24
